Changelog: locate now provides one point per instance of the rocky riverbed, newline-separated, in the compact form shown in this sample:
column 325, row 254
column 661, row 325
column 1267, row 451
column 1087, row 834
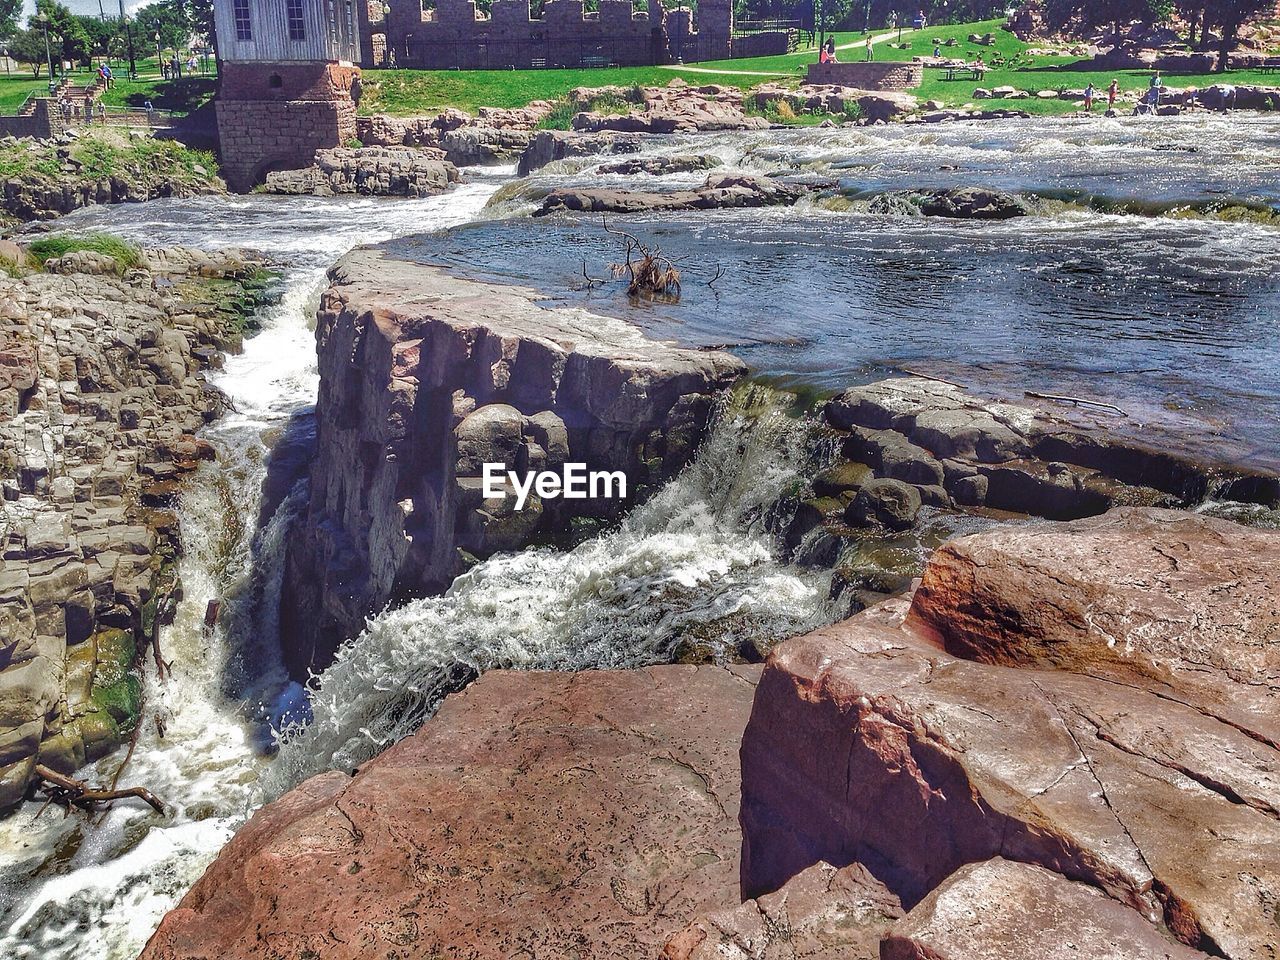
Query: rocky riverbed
column 101, row 395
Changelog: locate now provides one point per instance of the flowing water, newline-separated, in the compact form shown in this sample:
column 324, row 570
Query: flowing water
column 1176, row 315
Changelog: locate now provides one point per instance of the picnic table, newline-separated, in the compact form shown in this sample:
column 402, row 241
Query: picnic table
column 965, row 70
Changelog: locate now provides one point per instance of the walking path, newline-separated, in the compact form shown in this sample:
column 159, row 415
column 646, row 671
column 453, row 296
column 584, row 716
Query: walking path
column 856, row 44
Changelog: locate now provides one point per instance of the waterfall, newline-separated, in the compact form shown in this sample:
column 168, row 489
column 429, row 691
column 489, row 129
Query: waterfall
column 692, row 568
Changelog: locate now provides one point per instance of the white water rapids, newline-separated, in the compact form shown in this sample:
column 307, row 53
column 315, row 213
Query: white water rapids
column 696, row 554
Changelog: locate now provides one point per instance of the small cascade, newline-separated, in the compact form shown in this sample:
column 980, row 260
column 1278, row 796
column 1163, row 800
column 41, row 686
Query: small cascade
column 692, row 574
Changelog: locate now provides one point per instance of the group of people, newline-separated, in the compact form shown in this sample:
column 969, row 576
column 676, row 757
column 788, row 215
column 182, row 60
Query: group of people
column 71, row 111
column 1113, row 91
column 171, row 69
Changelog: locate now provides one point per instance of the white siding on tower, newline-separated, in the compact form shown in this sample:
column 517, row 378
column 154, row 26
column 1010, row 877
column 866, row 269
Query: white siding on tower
column 331, row 31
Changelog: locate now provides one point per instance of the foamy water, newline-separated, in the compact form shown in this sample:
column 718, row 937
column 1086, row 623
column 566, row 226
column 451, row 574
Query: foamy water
column 696, row 561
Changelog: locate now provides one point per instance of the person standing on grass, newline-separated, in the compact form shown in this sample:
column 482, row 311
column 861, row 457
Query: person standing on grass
column 102, row 113
column 870, row 50
column 831, row 50
column 1113, row 91
column 1089, row 94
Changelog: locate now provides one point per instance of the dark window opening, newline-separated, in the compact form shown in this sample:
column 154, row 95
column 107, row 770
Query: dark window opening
column 240, row 12
column 276, row 82
column 297, row 27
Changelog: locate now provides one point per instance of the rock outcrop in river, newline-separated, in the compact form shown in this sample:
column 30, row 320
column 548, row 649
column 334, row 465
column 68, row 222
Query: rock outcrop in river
column 425, row 378
column 1044, row 754
column 912, row 443
column 101, row 394
column 372, row 171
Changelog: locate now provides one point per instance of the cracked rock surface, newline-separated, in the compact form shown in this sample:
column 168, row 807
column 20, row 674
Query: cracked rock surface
column 870, row 743
column 537, row 814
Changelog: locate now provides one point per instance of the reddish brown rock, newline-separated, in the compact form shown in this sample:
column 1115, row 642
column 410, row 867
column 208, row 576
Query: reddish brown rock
column 538, row 814
column 1000, row 910
column 1186, row 606
column 868, row 743
column 821, row 914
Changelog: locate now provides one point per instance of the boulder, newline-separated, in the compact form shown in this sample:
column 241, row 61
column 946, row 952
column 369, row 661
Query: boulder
column 548, row 146
column 820, row 914
column 537, row 814
column 1000, row 910
column 1155, row 598
column 870, row 743
column 889, row 503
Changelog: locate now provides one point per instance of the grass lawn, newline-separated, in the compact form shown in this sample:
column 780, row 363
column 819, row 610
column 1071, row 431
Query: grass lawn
column 182, row 95
column 404, row 92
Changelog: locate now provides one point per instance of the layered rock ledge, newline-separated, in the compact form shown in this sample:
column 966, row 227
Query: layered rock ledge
column 372, row 171
column 921, row 781
column 911, row 448
column 101, row 393
column 537, row 814
column 424, row 378
column 1066, row 696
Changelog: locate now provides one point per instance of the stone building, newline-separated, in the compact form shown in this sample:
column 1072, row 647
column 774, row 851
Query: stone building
column 289, row 83
column 455, row 34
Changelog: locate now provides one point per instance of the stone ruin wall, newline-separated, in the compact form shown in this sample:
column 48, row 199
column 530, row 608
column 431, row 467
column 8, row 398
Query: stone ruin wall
column 888, row 75
column 455, row 35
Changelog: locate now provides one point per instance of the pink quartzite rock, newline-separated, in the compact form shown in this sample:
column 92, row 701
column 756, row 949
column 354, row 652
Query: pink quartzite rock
column 537, row 815
column 821, row 914
column 1185, row 606
column 999, row 910
column 869, row 743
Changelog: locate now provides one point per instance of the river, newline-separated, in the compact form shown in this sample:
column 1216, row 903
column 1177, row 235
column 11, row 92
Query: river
column 1175, row 316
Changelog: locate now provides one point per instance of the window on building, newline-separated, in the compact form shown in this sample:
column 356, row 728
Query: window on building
column 297, row 28
column 244, row 29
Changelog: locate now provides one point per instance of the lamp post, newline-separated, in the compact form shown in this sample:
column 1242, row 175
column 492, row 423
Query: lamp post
column 43, row 19
column 159, row 58
column 128, row 39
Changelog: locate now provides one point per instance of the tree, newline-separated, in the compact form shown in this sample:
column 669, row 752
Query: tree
column 66, row 31
column 27, row 46
column 1092, row 14
column 10, row 15
column 1228, row 16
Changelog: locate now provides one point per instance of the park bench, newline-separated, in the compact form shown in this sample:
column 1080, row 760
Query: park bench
column 1270, row 65
column 538, row 63
column 965, row 71
column 595, row 61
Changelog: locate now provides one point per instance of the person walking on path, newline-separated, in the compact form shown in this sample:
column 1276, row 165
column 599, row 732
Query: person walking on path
column 1089, row 94
column 1113, row 91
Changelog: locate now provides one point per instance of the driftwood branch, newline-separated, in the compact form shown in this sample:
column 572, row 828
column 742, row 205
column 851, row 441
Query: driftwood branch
column 649, row 272
column 591, row 281
column 69, row 792
column 1077, row 400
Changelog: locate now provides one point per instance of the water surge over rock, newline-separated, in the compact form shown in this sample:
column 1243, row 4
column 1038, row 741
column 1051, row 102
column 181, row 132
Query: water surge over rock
column 690, row 574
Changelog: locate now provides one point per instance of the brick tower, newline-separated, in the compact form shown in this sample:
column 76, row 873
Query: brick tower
column 286, row 83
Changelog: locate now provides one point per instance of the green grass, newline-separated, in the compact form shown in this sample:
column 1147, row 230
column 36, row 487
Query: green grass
column 181, row 96
column 407, row 92
column 123, row 252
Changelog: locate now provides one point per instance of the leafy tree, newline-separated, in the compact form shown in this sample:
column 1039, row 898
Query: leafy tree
column 66, row 31
column 1091, row 14
column 27, row 46
column 10, row 15
column 1228, row 16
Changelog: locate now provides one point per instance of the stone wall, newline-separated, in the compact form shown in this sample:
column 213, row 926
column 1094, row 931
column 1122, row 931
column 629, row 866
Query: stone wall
column 42, row 124
column 886, row 75
column 275, row 116
column 455, row 35
column 424, row 377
